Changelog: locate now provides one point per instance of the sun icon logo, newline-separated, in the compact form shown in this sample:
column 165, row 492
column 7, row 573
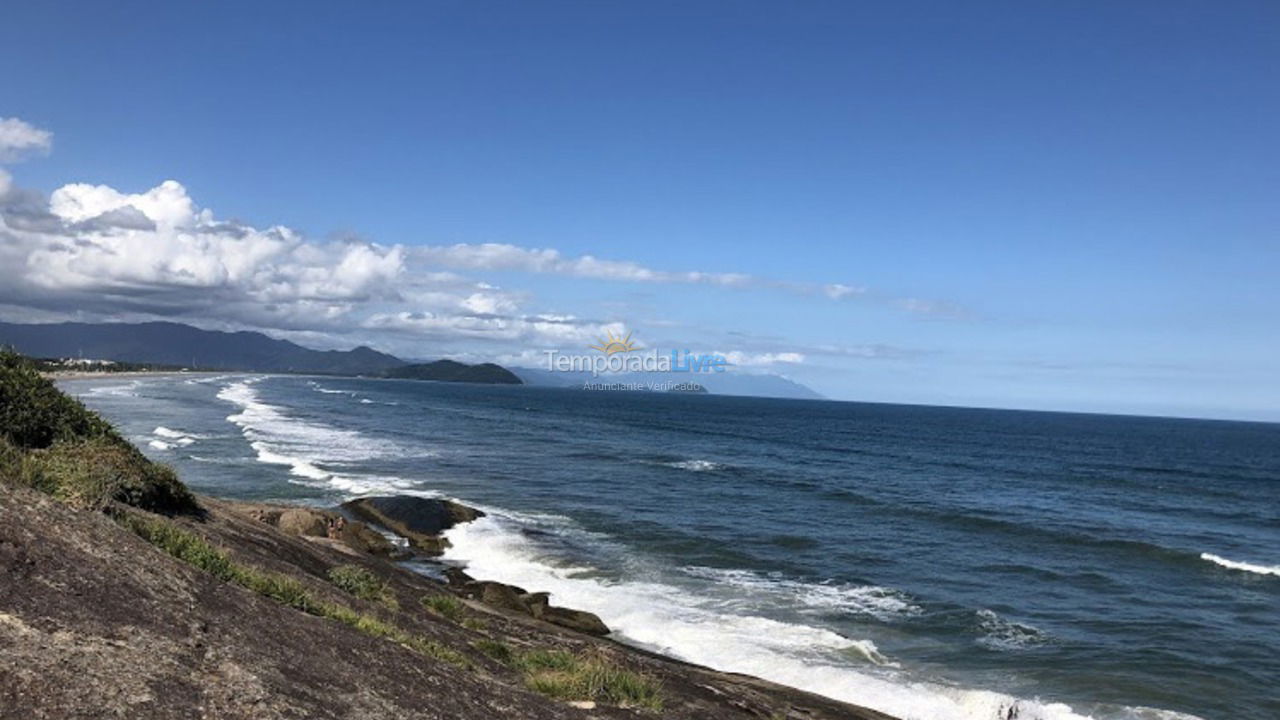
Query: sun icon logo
column 614, row 344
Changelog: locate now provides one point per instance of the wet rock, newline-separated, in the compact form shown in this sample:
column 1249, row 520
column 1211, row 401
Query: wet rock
column 536, row 602
column 457, row 576
column 418, row 520
column 536, row 605
column 499, row 595
column 579, row 620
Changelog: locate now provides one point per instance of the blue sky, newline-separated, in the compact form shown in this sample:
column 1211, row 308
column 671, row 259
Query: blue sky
column 1042, row 205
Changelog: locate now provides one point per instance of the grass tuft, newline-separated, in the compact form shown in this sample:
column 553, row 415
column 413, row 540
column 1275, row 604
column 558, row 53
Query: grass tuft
column 565, row 676
column 446, row 606
column 363, row 584
column 182, row 544
column 496, row 650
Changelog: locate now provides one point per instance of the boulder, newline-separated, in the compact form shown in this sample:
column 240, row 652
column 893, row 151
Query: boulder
column 367, row 540
column 536, row 602
column 303, row 521
column 499, row 595
column 579, row 620
column 457, row 576
column 314, row 524
column 514, row 599
column 418, row 520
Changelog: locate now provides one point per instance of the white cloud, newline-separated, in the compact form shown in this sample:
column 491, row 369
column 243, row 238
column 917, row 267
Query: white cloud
column 19, row 139
column 499, row 256
column 167, row 205
column 766, row 359
column 837, row 291
column 95, row 252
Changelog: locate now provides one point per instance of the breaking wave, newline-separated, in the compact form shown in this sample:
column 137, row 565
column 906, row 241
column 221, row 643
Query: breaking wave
column 1243, row 566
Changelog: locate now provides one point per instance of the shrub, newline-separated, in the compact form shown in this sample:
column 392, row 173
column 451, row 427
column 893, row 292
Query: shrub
column 50, row 442
column 91, row 472
column 35, row 414
column 363, row 584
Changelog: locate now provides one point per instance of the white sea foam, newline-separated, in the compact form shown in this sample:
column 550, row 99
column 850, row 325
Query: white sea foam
column 306, row 447
column 176, row 437
column 696, row 465
column 812, row 598
column 328, row 391
column 699, row 628
column 1236, row 565
column 167, row 439
column 1001, row 633
column 127, row 390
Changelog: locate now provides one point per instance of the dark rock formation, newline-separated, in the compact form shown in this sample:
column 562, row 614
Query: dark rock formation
column 579, row 620
column 416, row 519
column 511, row 598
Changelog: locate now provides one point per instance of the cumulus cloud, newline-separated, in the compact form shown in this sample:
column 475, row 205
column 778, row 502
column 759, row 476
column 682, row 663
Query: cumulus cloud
column 157, row 252
column 19, row 139
column 93, row 249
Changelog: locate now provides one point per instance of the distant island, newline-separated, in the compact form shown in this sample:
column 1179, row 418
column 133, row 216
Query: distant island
column 453, row 371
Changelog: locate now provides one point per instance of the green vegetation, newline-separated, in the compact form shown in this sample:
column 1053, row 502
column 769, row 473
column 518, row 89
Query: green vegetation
column 474, row 623
column 363, row 584
column 34, row 413
column 190, row 548
column 52, row 443
column 495, row 649
column 565, row 676
column 446, row 606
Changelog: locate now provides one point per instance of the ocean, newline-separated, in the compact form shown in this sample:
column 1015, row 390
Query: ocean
column 932, row 563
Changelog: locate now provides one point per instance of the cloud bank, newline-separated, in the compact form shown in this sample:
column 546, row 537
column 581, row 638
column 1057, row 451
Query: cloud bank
column 93, row 252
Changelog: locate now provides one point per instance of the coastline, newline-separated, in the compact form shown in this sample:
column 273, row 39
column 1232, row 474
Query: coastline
column 101, row 613
column 99, row 375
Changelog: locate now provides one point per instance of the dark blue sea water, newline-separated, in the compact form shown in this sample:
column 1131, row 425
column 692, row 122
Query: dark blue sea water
column 934, row 563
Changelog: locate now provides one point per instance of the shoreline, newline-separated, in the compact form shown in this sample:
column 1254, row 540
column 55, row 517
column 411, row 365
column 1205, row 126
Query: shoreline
column 261, row 597
column 92, row 374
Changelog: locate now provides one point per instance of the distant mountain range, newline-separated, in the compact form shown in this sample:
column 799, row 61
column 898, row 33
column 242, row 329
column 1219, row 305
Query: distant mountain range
column 178, row 345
